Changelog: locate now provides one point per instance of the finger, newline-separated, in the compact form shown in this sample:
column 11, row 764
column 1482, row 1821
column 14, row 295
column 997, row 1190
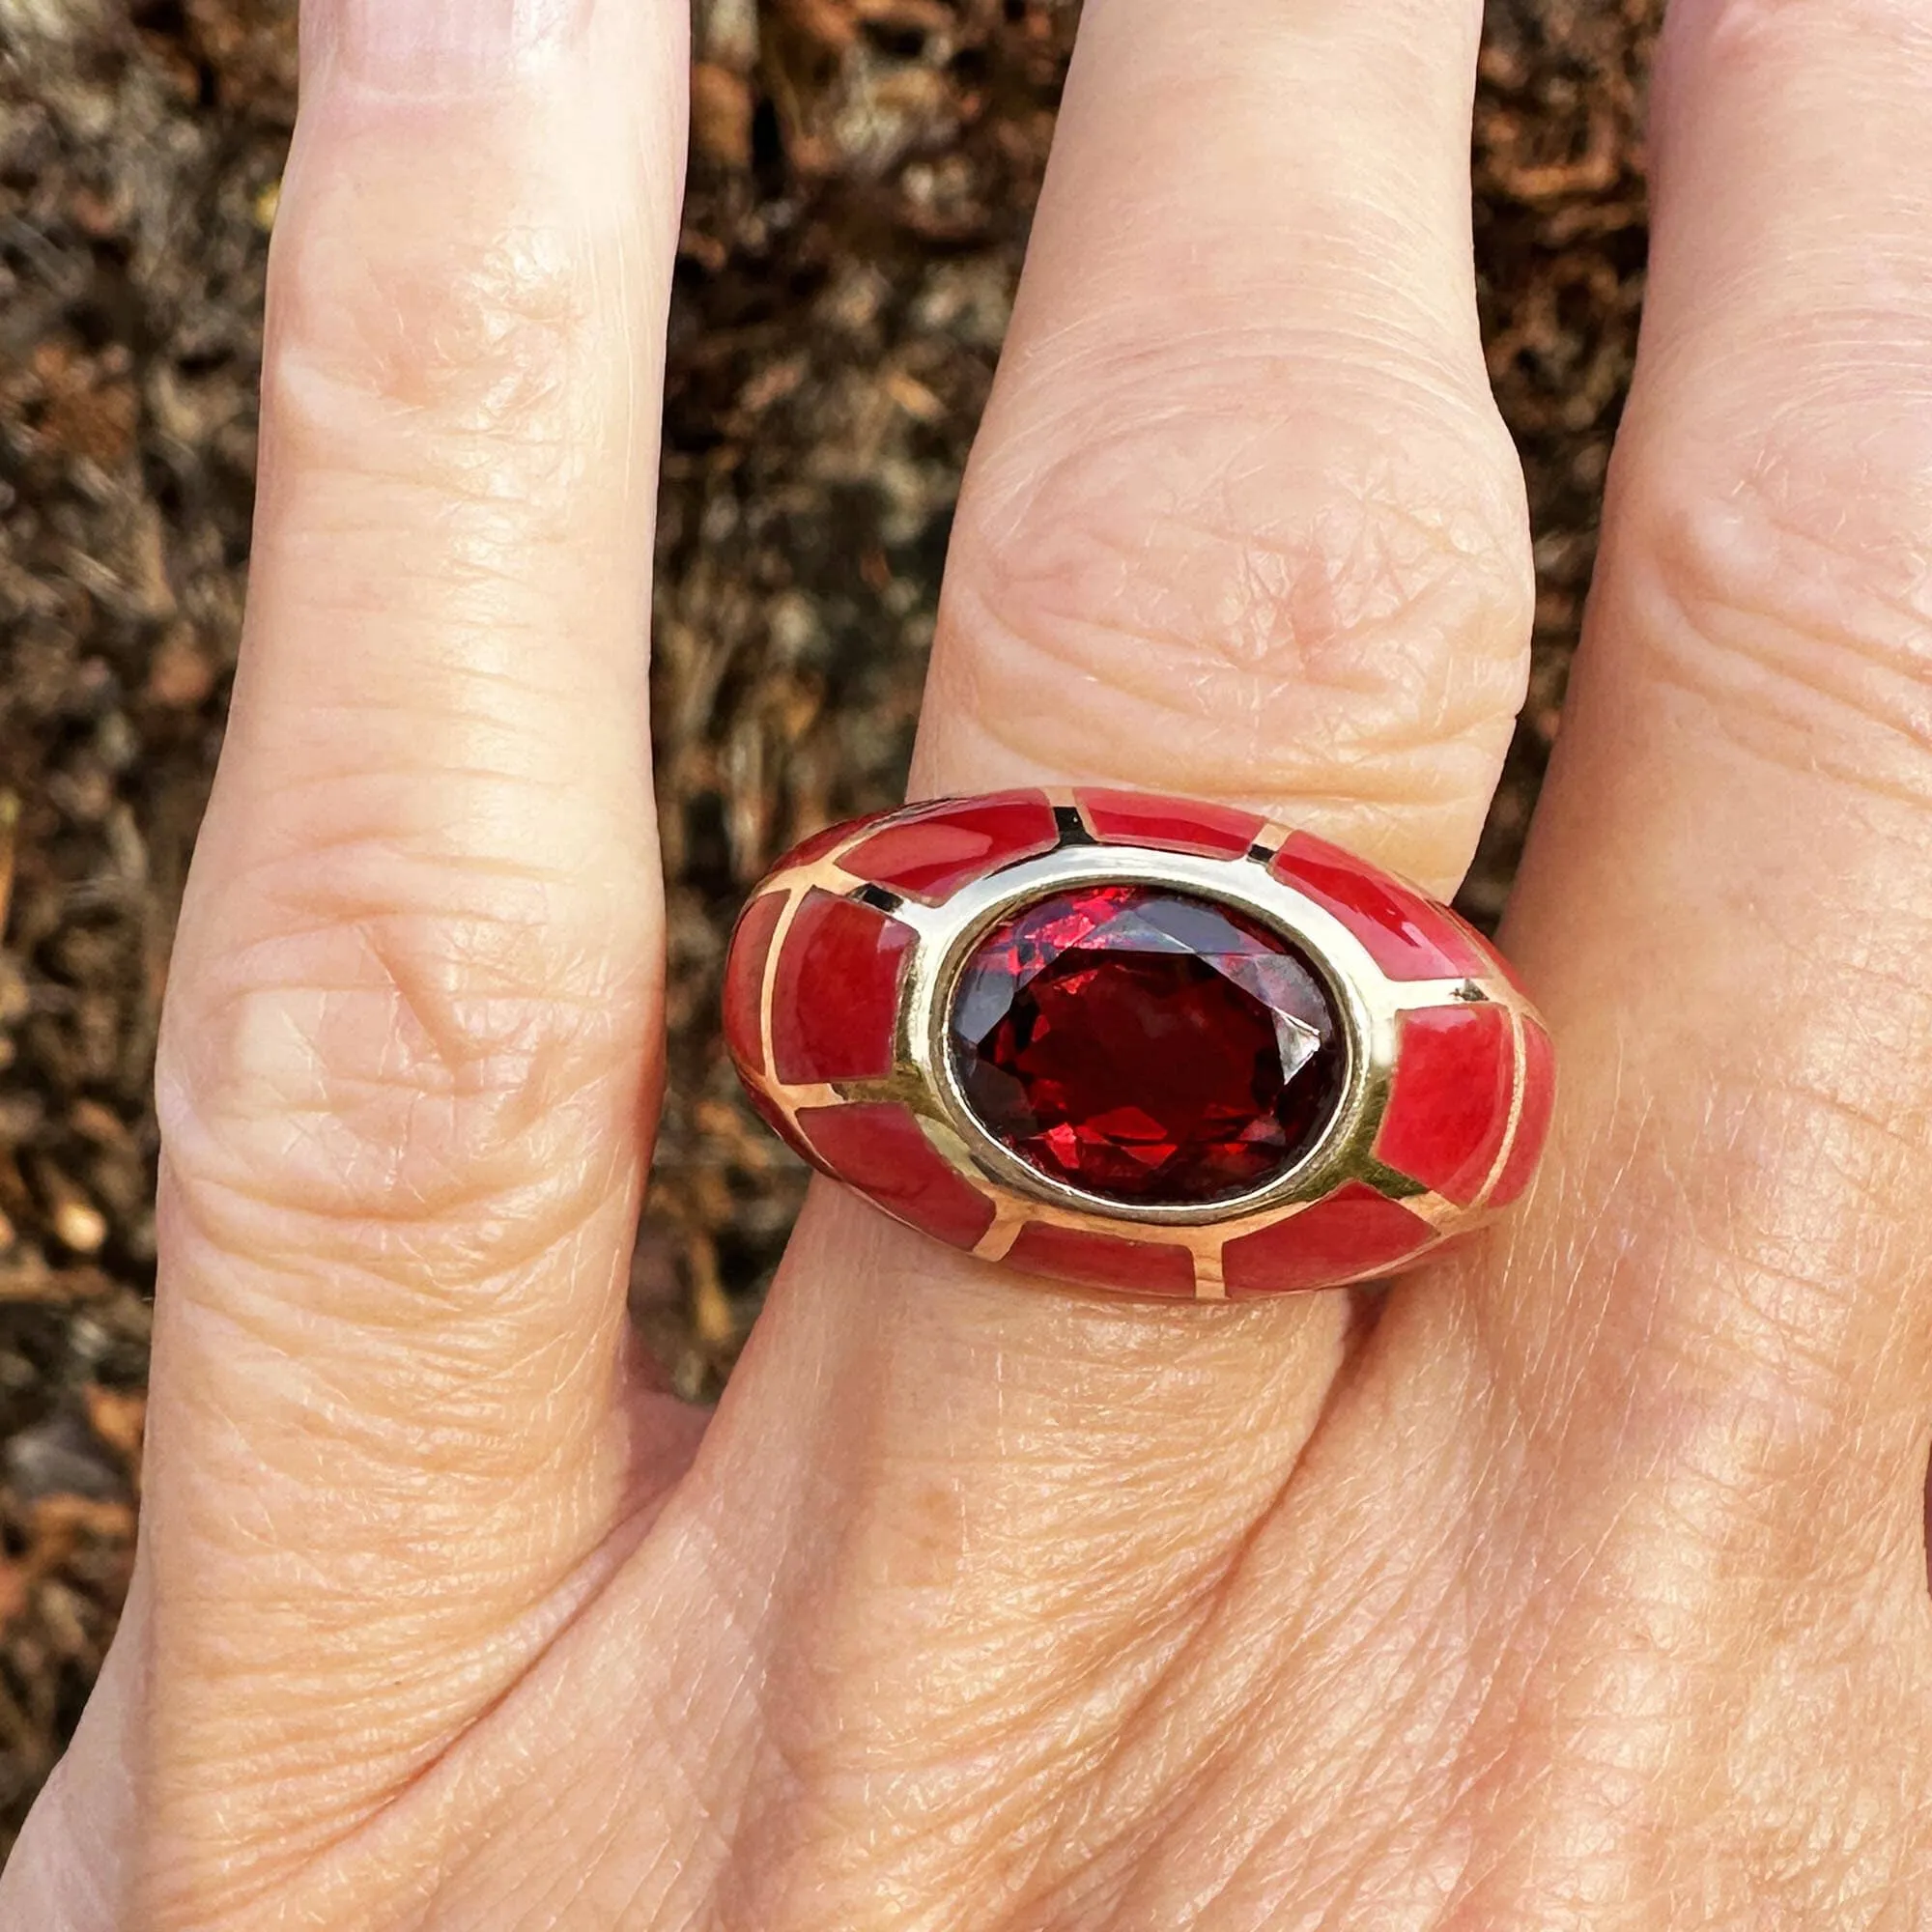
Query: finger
column 412, row 1042
column 1241, row 523
column 1724, row 907
column 1243, row 520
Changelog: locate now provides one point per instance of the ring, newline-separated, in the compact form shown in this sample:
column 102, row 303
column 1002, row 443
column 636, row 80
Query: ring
column 1134, row 1043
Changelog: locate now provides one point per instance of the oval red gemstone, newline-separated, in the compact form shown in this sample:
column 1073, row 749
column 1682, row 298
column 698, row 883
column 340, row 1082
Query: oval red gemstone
column 1146, row 1046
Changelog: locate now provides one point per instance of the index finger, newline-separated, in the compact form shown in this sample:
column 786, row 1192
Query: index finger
column 412, row 1042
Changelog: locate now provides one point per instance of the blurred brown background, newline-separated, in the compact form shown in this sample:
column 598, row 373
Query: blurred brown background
column 863, row 174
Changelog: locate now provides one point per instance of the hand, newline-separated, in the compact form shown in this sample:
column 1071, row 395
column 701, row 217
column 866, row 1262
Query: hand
column 1586, row 1587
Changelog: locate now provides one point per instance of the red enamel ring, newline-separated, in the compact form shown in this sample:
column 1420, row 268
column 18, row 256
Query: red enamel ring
column 1139, row 1043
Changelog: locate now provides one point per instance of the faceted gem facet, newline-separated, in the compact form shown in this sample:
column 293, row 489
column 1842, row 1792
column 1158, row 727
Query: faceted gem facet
column 1146, row 1046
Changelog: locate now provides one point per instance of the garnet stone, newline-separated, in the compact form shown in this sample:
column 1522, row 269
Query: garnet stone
column 1146, row 1046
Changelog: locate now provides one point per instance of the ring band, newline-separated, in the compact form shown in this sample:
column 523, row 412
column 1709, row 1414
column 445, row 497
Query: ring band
column 1147, row 1044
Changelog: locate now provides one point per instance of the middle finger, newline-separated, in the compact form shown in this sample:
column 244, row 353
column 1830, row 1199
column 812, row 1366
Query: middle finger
column 1241, row 523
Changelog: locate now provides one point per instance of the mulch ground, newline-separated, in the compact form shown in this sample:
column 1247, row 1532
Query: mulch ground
column 862, row 175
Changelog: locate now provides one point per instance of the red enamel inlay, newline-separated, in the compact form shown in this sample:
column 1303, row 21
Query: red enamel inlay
column 1407, row 935
column 745, row 980
column 1486, row 948
column 1532, row 1128
column 838, row 991
column 774, row 1117
column 1171, row 824
column 810, row 850
column 878, row 1148
column 1454, row 1081
column 932, row 851
column 1354, row 1232
column 1100, row 1261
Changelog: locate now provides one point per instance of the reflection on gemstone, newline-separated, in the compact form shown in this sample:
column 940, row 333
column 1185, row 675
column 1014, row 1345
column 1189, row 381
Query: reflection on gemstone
column 1146, row 1046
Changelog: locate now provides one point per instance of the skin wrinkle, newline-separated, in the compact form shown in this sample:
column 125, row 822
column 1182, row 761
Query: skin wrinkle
column 1421, row 1802
column 1829, row 1006
column 463, row 669
column 235, row 1205
column 549, row 1622
column 425, row 1367
column 1748, row 600
column 1167, row 377
column 1776, row 31
column 1405, row 1690
column 1279, row 626
column 604, row 980
column 481, row 555
column 424, row 1483
column 483, row 778
column 501, row 1055
column 1317, row 605
column 445, row 1466
column 1386, row 790
column 1420, row 773
column 1149, row 1711
column 482, row 332
column 530, row 1222
column 984, row 1611
column 1529, row 1662
column 1236, row 1744
column 1091, row 477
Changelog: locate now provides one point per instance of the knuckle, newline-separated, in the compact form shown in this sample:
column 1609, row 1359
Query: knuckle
column 1787, row 596
column 429, row 319
column 1314, row 584
column 416, row 1067
column 1742, row 30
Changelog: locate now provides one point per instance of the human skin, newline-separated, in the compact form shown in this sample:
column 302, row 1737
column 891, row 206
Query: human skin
column 1583, row 1586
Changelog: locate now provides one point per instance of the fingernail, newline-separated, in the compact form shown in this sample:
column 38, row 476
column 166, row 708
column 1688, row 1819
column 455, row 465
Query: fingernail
column 430, row 46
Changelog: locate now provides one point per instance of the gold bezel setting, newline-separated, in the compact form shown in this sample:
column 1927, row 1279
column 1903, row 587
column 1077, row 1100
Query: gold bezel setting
column 922, row 1077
